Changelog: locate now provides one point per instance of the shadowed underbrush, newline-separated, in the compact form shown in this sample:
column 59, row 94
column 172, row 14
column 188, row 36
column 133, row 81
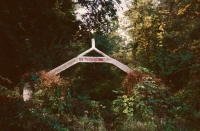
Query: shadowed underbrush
column 143, row 104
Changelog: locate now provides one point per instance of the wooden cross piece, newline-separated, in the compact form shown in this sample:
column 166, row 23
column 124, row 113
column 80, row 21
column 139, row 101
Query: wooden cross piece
column 80, row 58
column 88, row 59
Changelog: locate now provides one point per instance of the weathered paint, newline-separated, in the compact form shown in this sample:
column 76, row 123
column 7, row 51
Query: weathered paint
column 27, row 92
column 94, row 59
column 82, row 58
column 62, row 67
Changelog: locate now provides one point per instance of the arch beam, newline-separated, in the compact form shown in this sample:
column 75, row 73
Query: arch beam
column 88, row 59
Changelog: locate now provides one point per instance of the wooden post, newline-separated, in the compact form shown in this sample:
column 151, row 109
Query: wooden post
column 93, row 43
column 27, row 92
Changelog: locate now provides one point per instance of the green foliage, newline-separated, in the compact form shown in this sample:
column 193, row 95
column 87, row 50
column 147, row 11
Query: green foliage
column 50, row 108
column 168, row 44
column 164, row 45
column 123, row 106
column 144, row 101
column 11, row 105
column 185, row 107
column 4, row 81
column 147, row 108
column 134, row 125
column 33, row 35
column 154, row 107
column 144, row 70
column 88, row 124
column 100, row 17
column 101, row 77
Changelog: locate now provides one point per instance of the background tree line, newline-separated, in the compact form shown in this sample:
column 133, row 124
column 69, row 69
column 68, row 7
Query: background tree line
column 41, row 35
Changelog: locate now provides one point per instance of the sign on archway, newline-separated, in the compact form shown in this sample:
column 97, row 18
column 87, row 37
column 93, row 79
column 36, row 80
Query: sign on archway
column 27, row 92
column 91, row 59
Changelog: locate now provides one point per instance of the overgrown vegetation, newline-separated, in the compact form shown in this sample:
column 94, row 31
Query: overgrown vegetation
column 161, row 94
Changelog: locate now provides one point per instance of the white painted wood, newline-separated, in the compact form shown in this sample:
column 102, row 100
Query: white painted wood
column 121, row 66
column 93, row 43
column 62, row 67
column 87, row 51
column 27, row 92
column 94, row 59
column 82, row 58
column 100, row 52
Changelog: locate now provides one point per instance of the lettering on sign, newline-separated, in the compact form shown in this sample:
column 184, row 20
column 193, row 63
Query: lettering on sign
column 92, row 59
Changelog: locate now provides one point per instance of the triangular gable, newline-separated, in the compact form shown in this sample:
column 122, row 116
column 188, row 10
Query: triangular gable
column 90, row 59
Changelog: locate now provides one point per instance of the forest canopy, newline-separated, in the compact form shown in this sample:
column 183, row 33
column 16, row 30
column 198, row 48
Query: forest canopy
column 163, row 50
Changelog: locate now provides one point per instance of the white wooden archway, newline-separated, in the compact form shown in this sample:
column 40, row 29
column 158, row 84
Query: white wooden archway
column 27, row 92
column 87, row 59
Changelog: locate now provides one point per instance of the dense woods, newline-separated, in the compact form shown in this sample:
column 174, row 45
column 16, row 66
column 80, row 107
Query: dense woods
column 162, row 93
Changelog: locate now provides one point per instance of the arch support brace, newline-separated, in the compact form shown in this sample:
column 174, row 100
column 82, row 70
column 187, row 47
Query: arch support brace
column 87, row 59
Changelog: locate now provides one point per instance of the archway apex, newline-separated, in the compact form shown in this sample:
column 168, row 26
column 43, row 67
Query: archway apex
column 91, row 59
